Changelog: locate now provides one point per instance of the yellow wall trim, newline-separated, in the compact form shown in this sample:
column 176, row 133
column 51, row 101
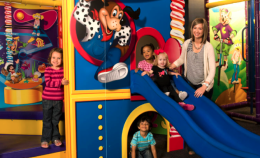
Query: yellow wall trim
column 223, row 2
column 25, row 127
column 75, row 92
column 68, row 50
column 29, row 6
column 102, row 96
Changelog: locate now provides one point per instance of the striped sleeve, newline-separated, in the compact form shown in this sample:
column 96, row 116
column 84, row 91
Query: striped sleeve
column 49, row 80
column 134, row 140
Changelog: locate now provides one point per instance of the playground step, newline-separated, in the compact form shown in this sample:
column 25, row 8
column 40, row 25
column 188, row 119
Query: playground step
column 24, row 120
column 20, row 146
column 29, row 112
column 25, row 127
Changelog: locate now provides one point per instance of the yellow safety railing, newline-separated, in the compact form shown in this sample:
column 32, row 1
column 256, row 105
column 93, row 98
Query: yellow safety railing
column 223, row 2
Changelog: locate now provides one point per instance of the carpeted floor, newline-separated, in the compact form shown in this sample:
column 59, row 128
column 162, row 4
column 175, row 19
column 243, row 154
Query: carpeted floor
column 9, row 143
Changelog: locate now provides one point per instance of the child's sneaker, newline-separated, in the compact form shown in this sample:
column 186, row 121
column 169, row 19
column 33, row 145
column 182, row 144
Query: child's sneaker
column 183, row 95
column 188, row 107
column 167, row 93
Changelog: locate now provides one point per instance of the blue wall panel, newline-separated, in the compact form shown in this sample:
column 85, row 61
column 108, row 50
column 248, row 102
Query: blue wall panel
column 115, row 114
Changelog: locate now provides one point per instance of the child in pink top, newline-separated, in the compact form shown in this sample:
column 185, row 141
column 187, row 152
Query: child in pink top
column 148, row 53
column 52, row 98
column 146, row 65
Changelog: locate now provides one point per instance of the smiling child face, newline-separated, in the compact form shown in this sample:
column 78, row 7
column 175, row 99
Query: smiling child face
column 144, row 126
column 147, row 52
column 56, row 59
column 161, row 60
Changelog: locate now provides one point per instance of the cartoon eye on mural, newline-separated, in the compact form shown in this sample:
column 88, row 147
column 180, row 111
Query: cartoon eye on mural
column 227, row 34
column 102, row 32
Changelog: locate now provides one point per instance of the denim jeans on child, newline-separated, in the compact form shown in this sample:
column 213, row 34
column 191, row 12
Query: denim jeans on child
column 147, row 153
column 52, row 111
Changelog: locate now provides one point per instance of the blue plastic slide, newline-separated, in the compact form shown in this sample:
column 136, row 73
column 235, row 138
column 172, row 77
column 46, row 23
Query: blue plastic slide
column 206, row 129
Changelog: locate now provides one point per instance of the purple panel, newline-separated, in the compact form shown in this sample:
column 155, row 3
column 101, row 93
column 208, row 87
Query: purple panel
column 34, row 151
column 257, row 61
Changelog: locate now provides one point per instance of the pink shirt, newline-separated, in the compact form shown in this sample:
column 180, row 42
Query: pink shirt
column 54, row 89
column 145, row 66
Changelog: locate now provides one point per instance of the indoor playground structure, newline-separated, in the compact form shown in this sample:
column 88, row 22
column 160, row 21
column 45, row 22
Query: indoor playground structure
column 101, row 41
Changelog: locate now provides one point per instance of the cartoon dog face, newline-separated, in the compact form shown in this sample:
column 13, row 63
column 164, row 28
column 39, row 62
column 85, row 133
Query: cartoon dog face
column 110, row 16
column 224, row 16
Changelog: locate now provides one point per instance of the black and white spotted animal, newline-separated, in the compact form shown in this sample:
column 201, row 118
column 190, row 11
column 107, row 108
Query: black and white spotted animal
column 81, row 14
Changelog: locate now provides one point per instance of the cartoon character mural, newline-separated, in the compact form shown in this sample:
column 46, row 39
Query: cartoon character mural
column 25, row 44
column 98, row 24
column 25, row 66
column 39, row 42
column 230, row 77
column 12, row 45
column 36, row 24
column 227, row 33
column 27, row 38
column 236, row 60
column 1, row 61
column 41, row 68
column 13, row 76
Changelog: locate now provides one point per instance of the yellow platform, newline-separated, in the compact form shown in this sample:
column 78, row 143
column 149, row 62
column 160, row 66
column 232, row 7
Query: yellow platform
column 23, row 96
column 25, row 127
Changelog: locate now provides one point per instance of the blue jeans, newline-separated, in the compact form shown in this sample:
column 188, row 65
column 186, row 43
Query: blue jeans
column 147, row 153
column 236, row 70
column 52, row 111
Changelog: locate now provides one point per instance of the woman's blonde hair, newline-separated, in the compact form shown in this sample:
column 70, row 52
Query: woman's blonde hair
column 205, row 29
column 168, row 64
